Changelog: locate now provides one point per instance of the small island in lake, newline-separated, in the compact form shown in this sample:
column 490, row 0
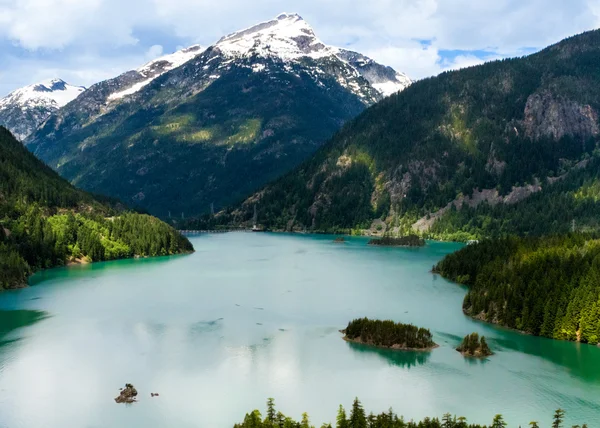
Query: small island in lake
column 128, row 394
column 339, row 240
column 474, row 346
column 389, row 334
column 402, row 241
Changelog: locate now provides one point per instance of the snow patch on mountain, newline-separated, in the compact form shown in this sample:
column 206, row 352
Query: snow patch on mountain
column 289, row 38
column 49, row 93
column 151, row 70
column 391, row 87
column 24, row 109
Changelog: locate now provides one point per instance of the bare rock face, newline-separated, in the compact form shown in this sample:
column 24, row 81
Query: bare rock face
column 549, row 116
column 127, row 395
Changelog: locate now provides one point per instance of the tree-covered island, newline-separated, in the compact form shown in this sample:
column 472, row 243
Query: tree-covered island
column 389, row 334
column 474, row 346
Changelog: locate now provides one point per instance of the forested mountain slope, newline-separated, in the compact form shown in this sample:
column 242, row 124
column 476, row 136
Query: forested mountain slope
column 215, row 128
column 46, row 222
column 493, row 135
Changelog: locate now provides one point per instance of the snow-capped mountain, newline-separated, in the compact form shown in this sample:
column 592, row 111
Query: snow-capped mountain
column 287, row 38
column 151, row 70
column 290, row 38
column 24, row 109
column 212, row 125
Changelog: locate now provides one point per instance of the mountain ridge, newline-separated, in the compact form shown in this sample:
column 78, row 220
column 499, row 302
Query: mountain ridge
column 237, row 114
column 504, row 126
column 24, row 109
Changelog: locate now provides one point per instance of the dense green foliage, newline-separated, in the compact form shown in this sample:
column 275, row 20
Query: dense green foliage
column 388, row 334
column 570, row 203
column 188, row 141
column 546, row 286
column 482, row 127
column 474, row 346
column 358, row 418
column 45, row 222
column 402, row 241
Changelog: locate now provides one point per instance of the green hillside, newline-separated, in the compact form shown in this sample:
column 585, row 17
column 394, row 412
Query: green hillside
column 490, row 135
column 186, row 140
column 544, row 286
column 46, row 222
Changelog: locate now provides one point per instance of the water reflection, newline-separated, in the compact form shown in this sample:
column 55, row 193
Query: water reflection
column 404, row 359
column 12, row 320
column 580, row 359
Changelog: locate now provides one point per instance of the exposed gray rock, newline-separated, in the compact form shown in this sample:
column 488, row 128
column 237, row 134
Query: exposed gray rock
column 552, row 116
column 491, row 196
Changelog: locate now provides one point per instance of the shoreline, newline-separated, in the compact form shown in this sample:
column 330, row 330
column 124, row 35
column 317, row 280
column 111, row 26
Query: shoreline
column 391, row 348
column 478, row 357
column 72, row 263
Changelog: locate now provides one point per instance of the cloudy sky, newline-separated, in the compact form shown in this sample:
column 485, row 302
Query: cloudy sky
column 84, row 41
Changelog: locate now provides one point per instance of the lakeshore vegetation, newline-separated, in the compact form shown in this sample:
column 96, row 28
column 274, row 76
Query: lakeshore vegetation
column 545, row 286
column 388, row 334
column 358, row 418
column 45, row 222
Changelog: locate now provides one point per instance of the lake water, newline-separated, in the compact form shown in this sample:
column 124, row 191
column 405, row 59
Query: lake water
column 251, row 316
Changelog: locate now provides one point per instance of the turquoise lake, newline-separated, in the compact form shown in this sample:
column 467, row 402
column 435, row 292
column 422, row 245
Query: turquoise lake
column 255, row 315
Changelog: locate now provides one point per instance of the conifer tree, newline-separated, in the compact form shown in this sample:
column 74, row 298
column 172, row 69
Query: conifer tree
column 341, row 419
column 357, row 416
column 559, row 416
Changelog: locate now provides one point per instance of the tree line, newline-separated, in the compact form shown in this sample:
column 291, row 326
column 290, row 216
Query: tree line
column 358, row 418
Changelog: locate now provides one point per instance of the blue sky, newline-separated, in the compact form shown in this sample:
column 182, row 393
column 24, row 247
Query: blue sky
column 85, row 41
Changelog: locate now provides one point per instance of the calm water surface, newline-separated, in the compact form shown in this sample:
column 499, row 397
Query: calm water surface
column 251, row 316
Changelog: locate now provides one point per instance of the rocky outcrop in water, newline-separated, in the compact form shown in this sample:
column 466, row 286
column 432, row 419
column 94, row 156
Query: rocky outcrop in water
column 128, row 394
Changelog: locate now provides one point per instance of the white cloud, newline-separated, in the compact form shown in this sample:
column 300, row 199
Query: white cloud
column 61, row 30
column 154, row 51
column 83, row 70
column 412, row 58
column 54, row 24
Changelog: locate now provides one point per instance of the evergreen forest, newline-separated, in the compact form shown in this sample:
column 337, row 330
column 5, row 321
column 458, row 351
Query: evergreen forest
column 545, row 286
column 45, row 222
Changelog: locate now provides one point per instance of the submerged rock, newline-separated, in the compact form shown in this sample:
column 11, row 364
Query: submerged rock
column 339, row 240
column 127, row 395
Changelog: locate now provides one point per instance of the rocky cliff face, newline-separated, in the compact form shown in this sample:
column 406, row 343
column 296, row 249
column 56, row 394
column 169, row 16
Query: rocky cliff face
column 547, row 115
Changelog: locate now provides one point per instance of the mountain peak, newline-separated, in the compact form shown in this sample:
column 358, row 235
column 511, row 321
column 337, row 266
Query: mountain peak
column 25, row 108
column 50, row 85
column 52, row 91
column 286, row 15
column 288, row 36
